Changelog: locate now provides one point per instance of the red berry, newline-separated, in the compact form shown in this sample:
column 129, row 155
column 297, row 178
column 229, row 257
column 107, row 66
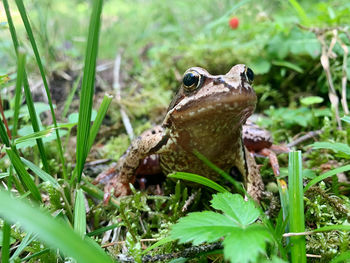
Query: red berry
column 233, row 22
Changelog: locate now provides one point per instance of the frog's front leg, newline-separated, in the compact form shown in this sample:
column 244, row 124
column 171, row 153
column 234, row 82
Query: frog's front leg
column 123, row 173
column 255, row 185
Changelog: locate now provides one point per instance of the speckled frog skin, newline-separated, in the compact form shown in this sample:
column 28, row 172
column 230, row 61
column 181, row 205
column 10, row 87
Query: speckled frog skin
column 206, row 115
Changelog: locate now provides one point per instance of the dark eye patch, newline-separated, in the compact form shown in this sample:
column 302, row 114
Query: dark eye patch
column 190, row 80
column 250, row 74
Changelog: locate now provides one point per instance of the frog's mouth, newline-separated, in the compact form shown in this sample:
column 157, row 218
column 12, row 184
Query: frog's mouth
column 220, row 107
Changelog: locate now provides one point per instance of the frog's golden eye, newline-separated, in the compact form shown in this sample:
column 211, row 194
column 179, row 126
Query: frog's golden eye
column 249, row 74
column 191, row 80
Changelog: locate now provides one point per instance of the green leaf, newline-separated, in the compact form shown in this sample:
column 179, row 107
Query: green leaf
column 198, row 179
column 107, row 99
column 296, row 207
column 200, row 227
column 287, row 64
column 158, row 244
column 87, row 88
column 23, row 174
column 300, row 11
column 79, row 214
column 53, row 232
column 233, row 205
column 341, row 258
column 326, row 175
column 29, row 31
column 221, row 172
column 260, row 66
column 346, row 119
column 311, row 100
column 102, row 230
column 21, row 62
column 334, row 146
column 42, row 174
column 242, row 241
column 245, row 245
column 24, row 243
column 332, row 227
column 5, row 236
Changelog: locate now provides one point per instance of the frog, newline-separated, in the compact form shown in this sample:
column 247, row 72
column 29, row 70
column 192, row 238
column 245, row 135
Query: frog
column 206, row 115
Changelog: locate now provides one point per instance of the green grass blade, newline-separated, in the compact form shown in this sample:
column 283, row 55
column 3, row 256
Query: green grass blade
column 5, row 248
column 346, row 119
column 79, row 214
column 25, row 242
column 28, row 95
column 102, row 230
column 212, row 166
column 107, row 99
column 97, row 193
column 332, row 227
column 23, row 174
column 44, row 251
column 300, row 11
column 53, row 232
column 341, row 258
column 3, row 134
column 26, row 23
column 296, row 207
column 70, row 97
column 158, row 244
column 198, row 179
column 34, row 136
column 284, row 197
column 326, row 175
column 87, row 89
column 21, row 62
column 42, row 174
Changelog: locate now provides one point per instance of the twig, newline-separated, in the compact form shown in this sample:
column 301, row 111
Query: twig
column 189, row 201
column 298, row 234
column 321, row 33
column 313, row 256
column 116, row 86
column 303, row 138
column 344, row 77
column 331, row 91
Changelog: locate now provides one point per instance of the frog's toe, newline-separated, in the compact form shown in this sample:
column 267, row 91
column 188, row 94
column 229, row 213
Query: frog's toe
column 115, row 188
column 106, row 176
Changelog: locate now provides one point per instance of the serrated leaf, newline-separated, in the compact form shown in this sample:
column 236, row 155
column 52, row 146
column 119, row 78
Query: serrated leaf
column 244, row 245
column 202, row 227
column 234, row 206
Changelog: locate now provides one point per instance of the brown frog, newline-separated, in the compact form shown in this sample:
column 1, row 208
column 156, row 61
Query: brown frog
column 206, row 115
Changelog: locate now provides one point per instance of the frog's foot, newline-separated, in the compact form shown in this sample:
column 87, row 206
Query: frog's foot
column 115, row 187
column 273, row 160
column 113, row 183
column 271, row 154
column 106, row 176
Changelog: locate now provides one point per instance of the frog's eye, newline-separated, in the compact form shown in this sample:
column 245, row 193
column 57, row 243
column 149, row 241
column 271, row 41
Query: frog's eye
column 249, row 74
column 191, row 80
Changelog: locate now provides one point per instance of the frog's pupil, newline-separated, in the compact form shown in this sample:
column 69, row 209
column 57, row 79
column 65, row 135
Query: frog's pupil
column 250, row 74
column 190, row 79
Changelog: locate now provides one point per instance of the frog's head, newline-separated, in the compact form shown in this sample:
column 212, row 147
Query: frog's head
column 227, row 98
